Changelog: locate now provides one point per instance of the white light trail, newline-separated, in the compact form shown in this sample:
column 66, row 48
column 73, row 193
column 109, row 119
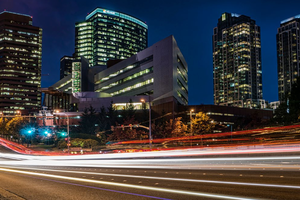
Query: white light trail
column 171, row 179
column 182, row 192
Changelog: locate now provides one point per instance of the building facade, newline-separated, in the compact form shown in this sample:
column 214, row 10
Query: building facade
column 158, row 74
column 20, row 63
column 159, row 70
column 108, row 35
column 288, row 55
column 237, row 70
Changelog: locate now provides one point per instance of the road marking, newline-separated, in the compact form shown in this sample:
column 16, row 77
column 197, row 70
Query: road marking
column 183, row 192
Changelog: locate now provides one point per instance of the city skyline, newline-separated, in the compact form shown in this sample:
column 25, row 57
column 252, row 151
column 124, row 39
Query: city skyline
column 191, row 22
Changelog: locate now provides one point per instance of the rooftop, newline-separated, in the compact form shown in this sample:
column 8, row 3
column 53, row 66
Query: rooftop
column 290, row 19
column 15, row 13
column 118, row 14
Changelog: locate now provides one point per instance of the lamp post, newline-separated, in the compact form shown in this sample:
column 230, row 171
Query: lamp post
column 1, row 113
column 230, row 130
column 68, row 131
column 191, row 126
column 150, row 136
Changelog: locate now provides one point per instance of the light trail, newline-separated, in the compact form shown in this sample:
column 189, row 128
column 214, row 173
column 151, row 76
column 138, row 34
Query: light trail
column 273, row 163
column 171, row 179
column 182, row 192
column 175, row 153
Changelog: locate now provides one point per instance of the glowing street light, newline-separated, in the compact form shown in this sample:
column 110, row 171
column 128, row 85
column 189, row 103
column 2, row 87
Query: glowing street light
column 18, row 112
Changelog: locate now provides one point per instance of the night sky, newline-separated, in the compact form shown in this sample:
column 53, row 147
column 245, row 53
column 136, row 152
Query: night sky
column 190, row 21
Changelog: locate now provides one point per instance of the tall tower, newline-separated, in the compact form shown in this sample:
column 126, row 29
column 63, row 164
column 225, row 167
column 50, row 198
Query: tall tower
column 66, row 66
column 109, row 35
column 288, row 55
column 20, row 63
column 237, row 62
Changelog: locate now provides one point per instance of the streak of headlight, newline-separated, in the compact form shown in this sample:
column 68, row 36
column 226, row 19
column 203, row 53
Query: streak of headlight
column 112, row 156
column 128, row 185
column 171, row 179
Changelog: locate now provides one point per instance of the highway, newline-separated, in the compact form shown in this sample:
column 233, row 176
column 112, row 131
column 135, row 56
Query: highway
column 149, row 176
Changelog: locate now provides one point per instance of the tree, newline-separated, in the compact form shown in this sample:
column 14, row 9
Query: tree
column 127, row 134
column 103, row 122
column 129, row 111
column 112, row 115
column 175, row 128
column 202, row 124
column 289, row 109
column 3, row 122
column 293, row 102
column 62, row 144
column 88, row 121
column 14, row 126
column 90, row 143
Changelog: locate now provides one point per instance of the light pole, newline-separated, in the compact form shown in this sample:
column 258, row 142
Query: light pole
column 68, row 131
column 191, row 126
column 1, row 113
column 230, row 130
column 150, row 136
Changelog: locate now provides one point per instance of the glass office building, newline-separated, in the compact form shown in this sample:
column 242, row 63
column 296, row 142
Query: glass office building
column 237, row 67
column 108, row 35
column 20, row 63
column 288, row 54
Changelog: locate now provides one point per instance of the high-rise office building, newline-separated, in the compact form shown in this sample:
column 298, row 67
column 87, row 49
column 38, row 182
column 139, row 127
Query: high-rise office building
column 108, row 35
column 288, row 55
column 66, row 66
column 20, row 63
column 237, row 62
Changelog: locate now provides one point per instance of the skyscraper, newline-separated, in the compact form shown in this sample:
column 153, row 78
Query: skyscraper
column 237, row 68
column 288, row 54
column 66, row 66
column 106, row 34
column 20, row 63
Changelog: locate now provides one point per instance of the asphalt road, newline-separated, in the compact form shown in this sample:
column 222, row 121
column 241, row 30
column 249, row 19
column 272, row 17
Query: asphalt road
column 33, row 182
column 69, row 178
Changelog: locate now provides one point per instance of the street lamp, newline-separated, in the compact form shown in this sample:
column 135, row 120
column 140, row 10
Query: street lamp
column 191, row 126
column 68, row 131
column 18, row 112
column 230, row 130
column 150, row 136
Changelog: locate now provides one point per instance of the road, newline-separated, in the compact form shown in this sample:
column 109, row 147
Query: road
column 95, row 177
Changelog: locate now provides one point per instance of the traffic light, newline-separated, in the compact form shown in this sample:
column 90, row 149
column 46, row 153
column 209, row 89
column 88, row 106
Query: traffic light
column 130, row 126
column 63, row 134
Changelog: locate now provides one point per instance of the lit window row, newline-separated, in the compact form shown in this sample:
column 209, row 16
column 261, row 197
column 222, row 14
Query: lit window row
column 136, row 75
column 138, row 85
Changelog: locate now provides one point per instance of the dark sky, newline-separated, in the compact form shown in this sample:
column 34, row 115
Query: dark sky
column 190, row 21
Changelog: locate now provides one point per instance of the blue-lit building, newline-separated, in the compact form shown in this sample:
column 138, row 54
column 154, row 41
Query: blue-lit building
column 288, row 54
column 109, row 35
